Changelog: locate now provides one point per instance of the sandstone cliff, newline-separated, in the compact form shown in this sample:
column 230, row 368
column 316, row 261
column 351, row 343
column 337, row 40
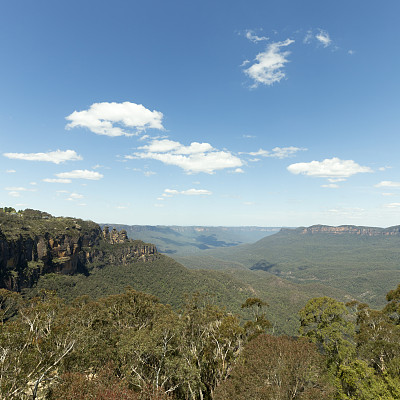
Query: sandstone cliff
column 345, row 229
column 35, row 243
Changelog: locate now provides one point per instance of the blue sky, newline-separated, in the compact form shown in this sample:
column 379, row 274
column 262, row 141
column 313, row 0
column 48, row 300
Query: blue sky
column 269, row 113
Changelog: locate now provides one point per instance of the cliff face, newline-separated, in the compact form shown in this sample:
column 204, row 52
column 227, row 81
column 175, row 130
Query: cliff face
column 33, row 246
column 24, row 258
column 346, row 229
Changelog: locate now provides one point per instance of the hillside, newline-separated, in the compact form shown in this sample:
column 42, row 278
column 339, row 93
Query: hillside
column 362, row 261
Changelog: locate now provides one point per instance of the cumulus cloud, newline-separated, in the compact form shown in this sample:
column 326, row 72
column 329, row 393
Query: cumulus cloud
column 80, row 174
column 267, row 68
column 388, row 184
column 277, row 152
column 56, row 157
column 197, row 157
column 323, row 37
column 254, row 38
column 116, row 119
column 328, row 168
column 330, row 186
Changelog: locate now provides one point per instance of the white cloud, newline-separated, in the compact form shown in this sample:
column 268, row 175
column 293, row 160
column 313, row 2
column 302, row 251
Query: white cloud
column 323, row 37
column 277, row 152
column 14, row 194
column 197, row 157
column 387, row 194
column 239, row 171
column 328, row 168
column 116, row 119
column 267, row 68
column 80, row 174
column 166, row 145
column 351, row 52
column 57, row 180
column 19, row 189
column 189, row 192
column 330, row 185
column 334, row 180
column 254, row 38
column 55, row 157
column 392, row 205
column 75, row 196
column 388, row 184
column 307, row 39
column 11, row 171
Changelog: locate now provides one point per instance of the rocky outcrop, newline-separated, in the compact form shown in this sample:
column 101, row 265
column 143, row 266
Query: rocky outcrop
column 34, row 244
column 126, row 253
column 345, row 229
column 114, row 236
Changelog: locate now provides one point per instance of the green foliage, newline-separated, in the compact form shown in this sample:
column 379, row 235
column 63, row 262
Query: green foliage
column 325, row 321
column 277, row 368
column 32, row 223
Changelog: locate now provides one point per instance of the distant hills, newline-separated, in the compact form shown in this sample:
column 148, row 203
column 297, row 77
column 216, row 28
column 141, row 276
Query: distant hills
column 362, row 261
column 181, row 240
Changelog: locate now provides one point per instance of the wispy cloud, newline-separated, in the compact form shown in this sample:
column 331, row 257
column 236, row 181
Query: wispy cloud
column 323, row 37
column 392, row 205
column 268, row 65
column 188, row 192
column 57, row 180
column 330, row 186
column 56, row 157
column 116, row 119
column 11, row 171
column 254, row 38
column 277, row 152
column 388, row 184
column 80, row 174
column 328, row 168
column 15, row 191
column 197, row 157
column 75, row 196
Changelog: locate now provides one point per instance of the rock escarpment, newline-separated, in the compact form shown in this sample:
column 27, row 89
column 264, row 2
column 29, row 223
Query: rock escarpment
column 346, row 229
column 33, row 243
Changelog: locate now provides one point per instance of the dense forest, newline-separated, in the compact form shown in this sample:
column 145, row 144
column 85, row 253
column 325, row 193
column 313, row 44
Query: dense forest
column 130, row 346
column 87, row 313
